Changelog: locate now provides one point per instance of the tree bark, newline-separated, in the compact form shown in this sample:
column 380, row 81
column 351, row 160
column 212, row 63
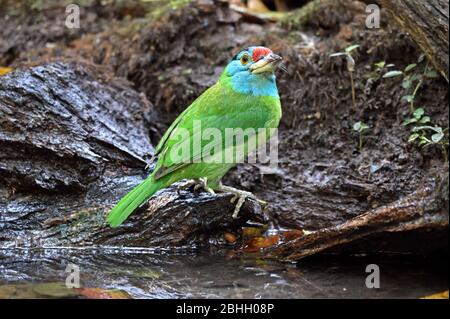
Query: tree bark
column 422, row 210
column 427, row 23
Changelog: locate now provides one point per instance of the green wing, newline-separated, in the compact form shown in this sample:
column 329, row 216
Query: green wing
column 219, row 107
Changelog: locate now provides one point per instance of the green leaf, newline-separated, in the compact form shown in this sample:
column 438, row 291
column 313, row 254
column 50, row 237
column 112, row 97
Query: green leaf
column 418, row 113
column 364, row 126
column 432, row 74
column 409, row 121
column 380, row 64
column 406, row 84
column 421, row 57
column 413, row 137
column 392, row 74
column 437, row 137
column 410, row 67
column 425, row 119
column 436, row 129
column 337, row 54
column 416, row 77
column 360, row 126
column 423, row 141
column 370, row 76
column 408, row 98
column 351, row 48
column 417, row 128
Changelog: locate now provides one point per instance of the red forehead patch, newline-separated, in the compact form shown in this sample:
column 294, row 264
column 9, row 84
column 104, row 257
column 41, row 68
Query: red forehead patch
column 260, row 52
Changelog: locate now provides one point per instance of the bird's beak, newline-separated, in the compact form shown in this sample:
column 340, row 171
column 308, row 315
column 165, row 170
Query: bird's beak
column 267, row 64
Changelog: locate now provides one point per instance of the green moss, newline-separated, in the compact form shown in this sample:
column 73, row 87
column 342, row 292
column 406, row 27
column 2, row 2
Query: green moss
column 81, row 220
column 171, row 5
column 295, row 19
column 40, row 5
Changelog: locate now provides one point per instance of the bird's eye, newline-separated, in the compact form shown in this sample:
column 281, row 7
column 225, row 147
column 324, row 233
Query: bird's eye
column 244, row 59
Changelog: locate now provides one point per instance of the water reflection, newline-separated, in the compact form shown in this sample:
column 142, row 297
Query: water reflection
column 220, row 274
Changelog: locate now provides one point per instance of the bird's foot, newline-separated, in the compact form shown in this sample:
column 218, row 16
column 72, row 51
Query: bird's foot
column 199, row 183
column 240, row 196
column 202, row 183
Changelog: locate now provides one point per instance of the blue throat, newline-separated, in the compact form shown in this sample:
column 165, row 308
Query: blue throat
column 255, row 84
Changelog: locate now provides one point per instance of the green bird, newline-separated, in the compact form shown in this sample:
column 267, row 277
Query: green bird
column 244, row 98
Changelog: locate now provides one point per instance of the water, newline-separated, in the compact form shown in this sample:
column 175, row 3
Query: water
column 221, row 274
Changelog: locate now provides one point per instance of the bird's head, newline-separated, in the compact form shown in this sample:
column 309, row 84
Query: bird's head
column 254, row 60
column 252, row 71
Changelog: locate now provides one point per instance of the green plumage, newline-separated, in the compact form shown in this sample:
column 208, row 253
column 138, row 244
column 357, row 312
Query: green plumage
column 219, row 107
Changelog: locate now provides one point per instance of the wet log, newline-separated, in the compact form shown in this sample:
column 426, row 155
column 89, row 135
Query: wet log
column 426, row 209
column 427, row 23
column 71, row 137
column 74, row 140
column 172, row 218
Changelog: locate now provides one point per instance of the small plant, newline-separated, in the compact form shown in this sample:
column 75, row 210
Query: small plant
column 378, row 69
column 379, row 66
column 360, row 128
column 427, row 135
column 350, row 67
column 439, row 136
column 418, row 117
column 412, row 81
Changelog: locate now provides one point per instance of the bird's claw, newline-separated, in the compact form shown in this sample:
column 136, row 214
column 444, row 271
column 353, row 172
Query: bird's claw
column 240, row 196
column 200, row 183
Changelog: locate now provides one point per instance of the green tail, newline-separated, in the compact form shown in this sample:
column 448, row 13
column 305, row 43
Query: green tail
column 133, row 200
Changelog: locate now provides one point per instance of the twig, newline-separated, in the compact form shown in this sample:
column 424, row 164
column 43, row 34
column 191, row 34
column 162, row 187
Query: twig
column 417, row 87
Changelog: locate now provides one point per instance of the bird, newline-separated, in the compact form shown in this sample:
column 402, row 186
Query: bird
column 244, row 97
